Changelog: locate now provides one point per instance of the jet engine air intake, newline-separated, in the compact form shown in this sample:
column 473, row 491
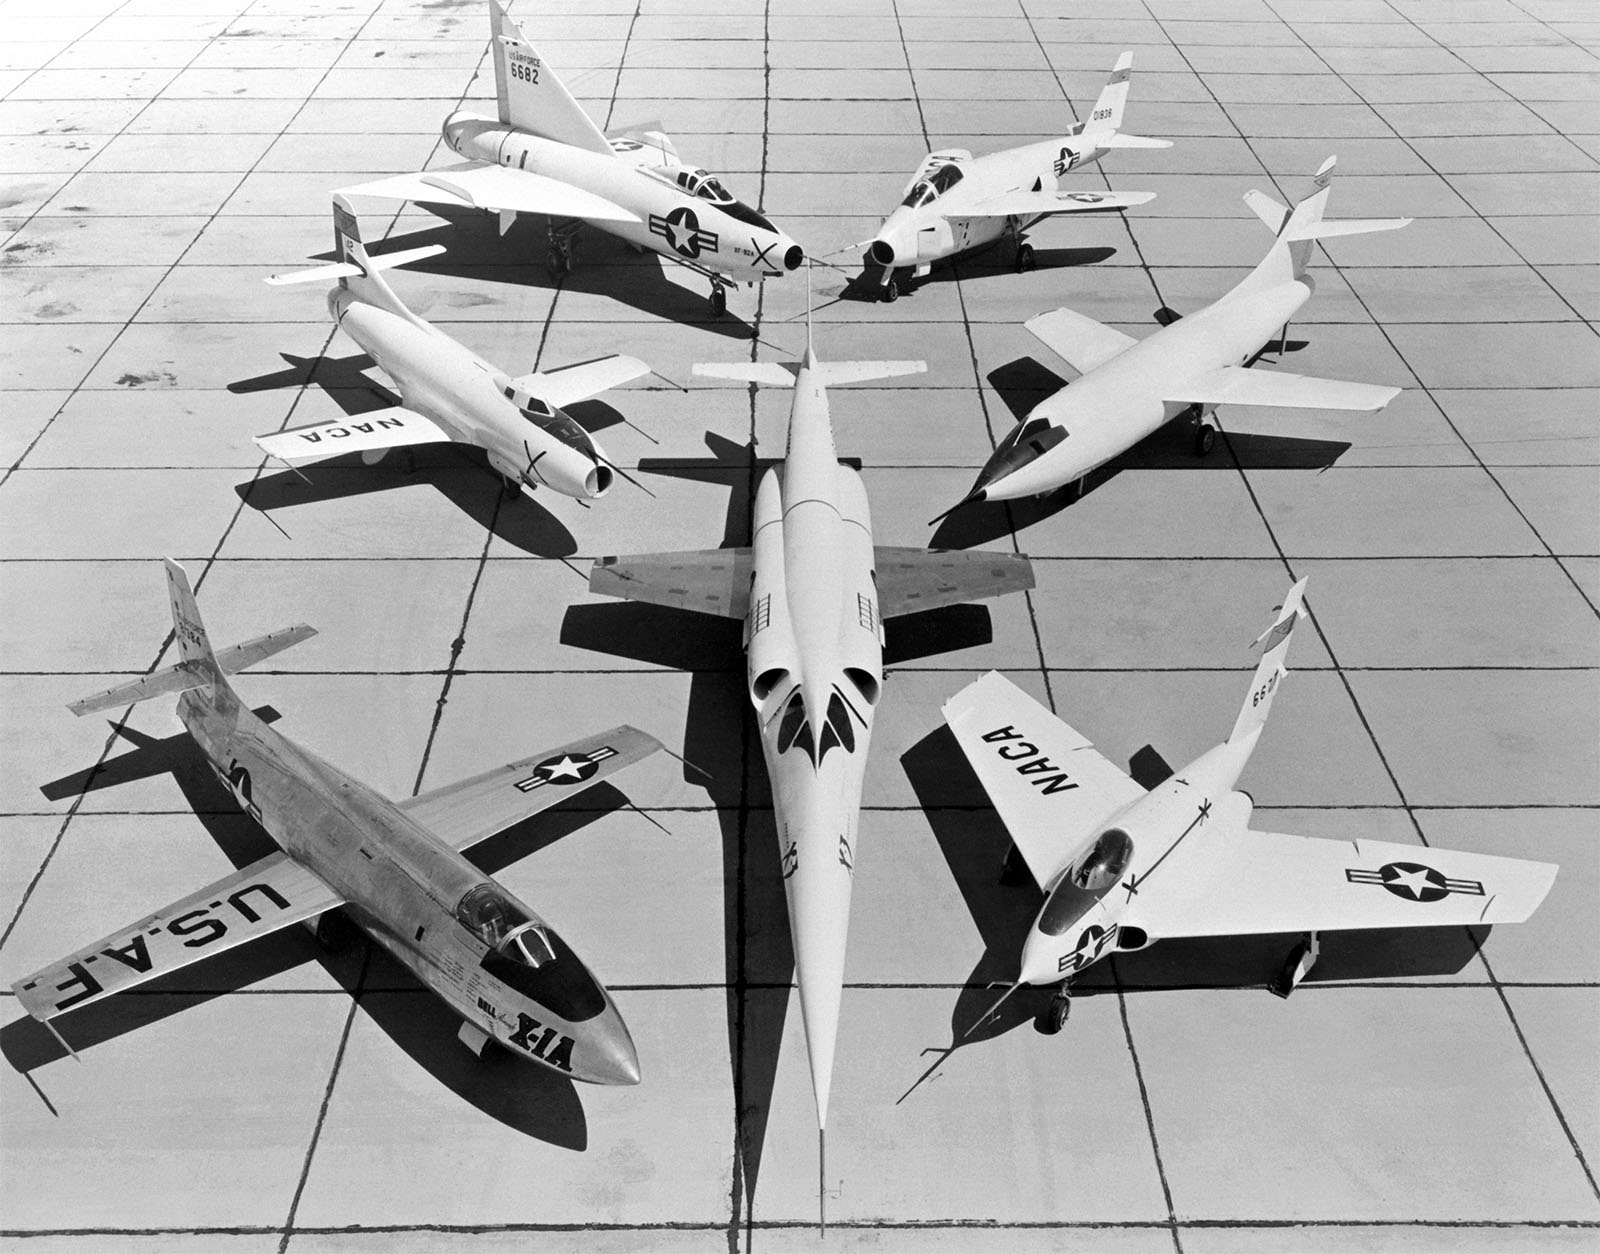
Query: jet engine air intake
column 866, row 683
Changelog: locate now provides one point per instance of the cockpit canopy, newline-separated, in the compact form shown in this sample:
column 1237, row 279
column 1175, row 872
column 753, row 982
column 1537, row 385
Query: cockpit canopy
column 526, row 954
column 1086, row 881
column 557, row 422
column 926, row 191
column 704, row 186
column 1026, row 443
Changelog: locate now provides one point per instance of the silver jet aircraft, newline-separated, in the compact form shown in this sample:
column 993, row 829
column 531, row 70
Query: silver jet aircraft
column 1122, row 868
column 542, row 154
column 447, row 392
column 396, row 868
column 813, row 592
column 1130, row 388
column 956, row 202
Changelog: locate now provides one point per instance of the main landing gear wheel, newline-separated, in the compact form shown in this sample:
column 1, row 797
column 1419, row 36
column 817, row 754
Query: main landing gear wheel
column 891, row 291
column 719, row 299
column 1055, row 1014
column 1025, row 258
column 1205, row 439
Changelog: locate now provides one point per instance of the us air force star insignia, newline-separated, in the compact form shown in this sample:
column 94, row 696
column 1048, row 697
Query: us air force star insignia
column 1414, row 882
column 566, row 768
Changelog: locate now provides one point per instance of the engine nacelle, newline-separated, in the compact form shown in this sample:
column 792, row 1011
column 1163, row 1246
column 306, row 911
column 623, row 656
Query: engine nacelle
column 563, row 470
column 773, row 657
column 860, row 627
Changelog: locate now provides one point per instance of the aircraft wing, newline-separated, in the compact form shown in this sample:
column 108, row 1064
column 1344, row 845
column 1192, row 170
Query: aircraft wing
column 483, row 185
column 385, row 428
column 1029, row 204
column 713, row 581
column 1241, row 882
column 1048, row 783
column 471, row 810
column 1234, row 385
column 256, row 901
column 576, row 383
column 1077, row 339
column 910, row 580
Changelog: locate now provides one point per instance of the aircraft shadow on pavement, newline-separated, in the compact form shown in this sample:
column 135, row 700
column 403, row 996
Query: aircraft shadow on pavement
column 530, row 1099
column 1024, row 383
column 974, row 842
column 344, row 379
column 984, row 263
column 462, row 475
column 606, row 266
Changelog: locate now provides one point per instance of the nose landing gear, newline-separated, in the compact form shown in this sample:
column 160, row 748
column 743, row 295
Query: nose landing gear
column 562, row 251
column 719, row 298
column 1054, row 1017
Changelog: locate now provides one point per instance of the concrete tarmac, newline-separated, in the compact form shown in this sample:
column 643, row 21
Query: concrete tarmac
column 1422, row 1091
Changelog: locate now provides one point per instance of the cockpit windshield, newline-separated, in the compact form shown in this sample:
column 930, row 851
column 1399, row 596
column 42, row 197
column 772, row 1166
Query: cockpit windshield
column 941, row 180
column 528, row 955
column 1026, row 443
column 704, row 186
column 1087, row 881
column 563, row 428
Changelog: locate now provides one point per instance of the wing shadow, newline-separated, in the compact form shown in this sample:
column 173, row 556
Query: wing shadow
column 606, row 266
column 529, row 1099
column 462, row 475
column 344, row 379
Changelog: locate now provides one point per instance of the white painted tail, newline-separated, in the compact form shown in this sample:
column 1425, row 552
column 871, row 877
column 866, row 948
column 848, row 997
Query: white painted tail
column 529, row 94
column 1270, row 671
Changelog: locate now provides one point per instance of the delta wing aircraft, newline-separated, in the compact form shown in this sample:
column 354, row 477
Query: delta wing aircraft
column 543, row 155
column 813, row 592
column 447, row 392
column 956, row 202
column 1122, row 868
column 1130, row 388
column 396, row 868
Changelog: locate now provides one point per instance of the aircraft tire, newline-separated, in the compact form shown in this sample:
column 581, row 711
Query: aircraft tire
column 891, row 292
column 1055, row 1014
column 1025, row 258
column 719, row 300
column 1205, row 439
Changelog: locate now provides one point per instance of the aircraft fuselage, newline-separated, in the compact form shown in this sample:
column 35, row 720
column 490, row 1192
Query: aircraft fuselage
column 733, row 242
column 404, row 887
column 527, row 441
column 1115, row 405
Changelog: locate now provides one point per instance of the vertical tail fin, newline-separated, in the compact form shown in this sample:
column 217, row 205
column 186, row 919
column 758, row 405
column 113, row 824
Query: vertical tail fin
column 1299, row 227
column 529, row 94
column 1113, row 98
column 194, row 646
column 1271, row 670
column 368, row 286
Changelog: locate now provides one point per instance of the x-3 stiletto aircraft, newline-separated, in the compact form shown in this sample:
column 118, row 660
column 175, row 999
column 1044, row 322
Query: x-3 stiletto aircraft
column 1130, row 388
column 396, row 868
column 956, row 202
column 1122, row 868
column 813, row 592
column 447, row 392
column 543, row 155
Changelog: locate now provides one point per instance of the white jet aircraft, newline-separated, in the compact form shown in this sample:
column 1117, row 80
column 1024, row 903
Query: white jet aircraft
column 813, row 591
column 1122, row 868
column 956, row 201
column 396, row 868
column 447, row 392
column 1130, row 388
column 544, row 155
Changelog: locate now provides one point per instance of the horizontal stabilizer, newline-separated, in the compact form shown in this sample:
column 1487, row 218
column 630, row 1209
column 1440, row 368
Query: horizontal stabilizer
column 482, row 185
column 769, row 373
column 833, row 373
column 1344, row 226
column 1026, row 204
column 1078, row 339
column 349, row 270
column 1267, row 209
column 1234, row 385
column 579, row 382
column 383, row 429
column 182, row 677
column 1121, row 139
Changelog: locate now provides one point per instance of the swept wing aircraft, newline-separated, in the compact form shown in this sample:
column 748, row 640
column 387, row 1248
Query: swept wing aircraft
column 396, row 868
column 542, row 154
column 813, row 592
column 447, row 392
column 1122, row 868
column 1130, row 388
column 956, row 202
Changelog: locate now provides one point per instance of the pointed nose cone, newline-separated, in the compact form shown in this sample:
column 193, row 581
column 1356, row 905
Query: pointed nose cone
column 819, row 972
column 1038, row 962
column 611, row 1057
